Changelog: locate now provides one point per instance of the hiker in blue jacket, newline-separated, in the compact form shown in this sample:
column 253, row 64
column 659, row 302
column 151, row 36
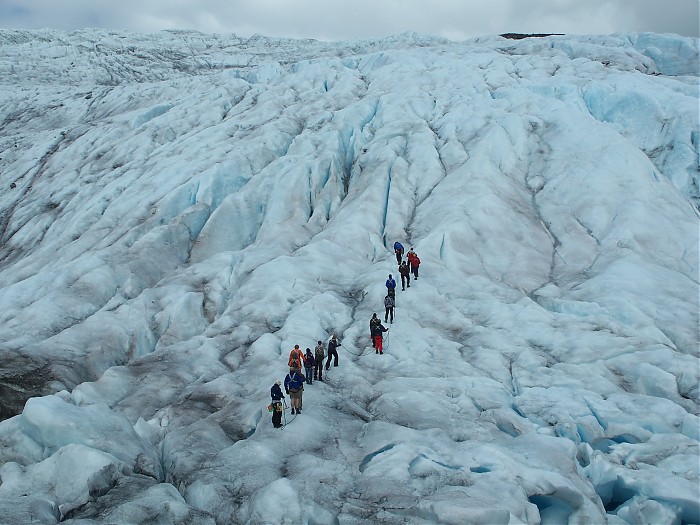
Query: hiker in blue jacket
column 294, row 386
column 390, row 286
column 398, row 251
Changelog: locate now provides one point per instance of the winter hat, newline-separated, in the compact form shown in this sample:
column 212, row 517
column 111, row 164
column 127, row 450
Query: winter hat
column 278, row 382
column 308, row 350
column 320, row 342
column 389, row 276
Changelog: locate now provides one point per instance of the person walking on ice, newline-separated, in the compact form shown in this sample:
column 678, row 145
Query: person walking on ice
column 333, row 345
column 372, row 322
column 405, row 272
column 389, row 308
column 390, row 286
column 277, row 397
column 414, row 261
column 398, row 251
column 319, row 354
column 294, row 386
column 309, row 366
column 296, row 358
column 378, row 330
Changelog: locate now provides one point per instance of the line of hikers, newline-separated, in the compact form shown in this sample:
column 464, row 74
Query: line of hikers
column 407, row 267
column 295, row 380
column 313, row 362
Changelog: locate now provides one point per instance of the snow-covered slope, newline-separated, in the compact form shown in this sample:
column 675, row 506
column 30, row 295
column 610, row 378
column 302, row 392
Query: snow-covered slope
column 178, row 210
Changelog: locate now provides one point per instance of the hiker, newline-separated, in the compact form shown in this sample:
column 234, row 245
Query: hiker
column 277, row 396
column 372, row 322
column 389, row 308
column 398, row 251
column 296, row 358
column 319, row 354
column 333, row 344
column 414, row 261
column 309, row 366
column 405, row 272
column 377, row 332
column 294, row 386
column 390, row 286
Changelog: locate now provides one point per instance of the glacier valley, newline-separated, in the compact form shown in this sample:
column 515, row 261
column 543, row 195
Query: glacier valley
column 178, row 210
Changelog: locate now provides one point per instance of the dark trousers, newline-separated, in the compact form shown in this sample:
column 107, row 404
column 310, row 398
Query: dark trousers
column 398, row 257
column 318, row 370
column 309, row 373
column 405, row 281
column 414, row 269
column 389, row 312
column 276, row 414
column 332, row 354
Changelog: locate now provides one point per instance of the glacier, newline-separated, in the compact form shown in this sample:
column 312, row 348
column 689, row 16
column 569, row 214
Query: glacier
column 180, row 209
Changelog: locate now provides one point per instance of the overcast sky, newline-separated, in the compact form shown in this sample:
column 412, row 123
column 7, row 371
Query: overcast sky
column 353, row 19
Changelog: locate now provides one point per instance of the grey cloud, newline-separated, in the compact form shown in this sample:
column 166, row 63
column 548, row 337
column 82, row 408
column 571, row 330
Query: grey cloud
column 338, row 20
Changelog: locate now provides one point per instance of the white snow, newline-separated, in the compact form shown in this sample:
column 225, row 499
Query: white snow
column 178, row 210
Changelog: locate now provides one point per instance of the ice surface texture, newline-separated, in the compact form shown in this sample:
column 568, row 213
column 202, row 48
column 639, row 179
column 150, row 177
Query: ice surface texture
column 179, row 209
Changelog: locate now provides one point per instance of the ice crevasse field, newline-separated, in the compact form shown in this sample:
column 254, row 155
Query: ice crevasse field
column 178, row 210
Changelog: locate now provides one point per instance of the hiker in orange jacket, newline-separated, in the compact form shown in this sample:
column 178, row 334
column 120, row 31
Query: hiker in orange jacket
column 296, row 358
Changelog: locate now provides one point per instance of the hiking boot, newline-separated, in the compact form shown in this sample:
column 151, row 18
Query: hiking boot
column 293, row 412
column 376, row 351
column 382, row 353
column 298, row 410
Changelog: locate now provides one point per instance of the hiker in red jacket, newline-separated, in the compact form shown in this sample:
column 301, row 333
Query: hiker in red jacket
column 414, row 262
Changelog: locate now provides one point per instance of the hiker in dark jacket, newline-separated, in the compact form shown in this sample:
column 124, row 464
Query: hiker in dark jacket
column 372, row 322
column 277, row 397
column 309, row 366
column 377, row 335
column 294, row 386
column 333, row 344
column 319, row 354
column 405, row 272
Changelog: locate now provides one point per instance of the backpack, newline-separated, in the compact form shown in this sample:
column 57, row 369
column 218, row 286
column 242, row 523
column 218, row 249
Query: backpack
column 398, row 247
column 295, row 382
column 295, row 360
